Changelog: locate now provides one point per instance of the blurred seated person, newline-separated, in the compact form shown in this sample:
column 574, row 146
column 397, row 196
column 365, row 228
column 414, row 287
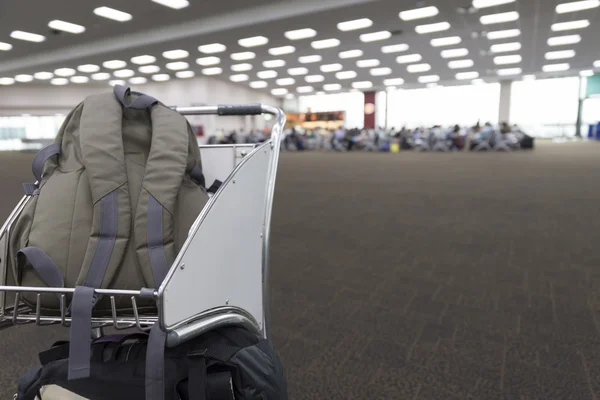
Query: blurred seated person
column 457, row 142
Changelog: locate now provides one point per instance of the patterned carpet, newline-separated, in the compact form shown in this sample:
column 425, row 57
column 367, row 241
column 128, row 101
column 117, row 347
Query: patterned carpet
column 421, row 276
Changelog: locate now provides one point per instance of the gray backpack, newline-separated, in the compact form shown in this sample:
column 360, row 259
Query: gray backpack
column 115, row 197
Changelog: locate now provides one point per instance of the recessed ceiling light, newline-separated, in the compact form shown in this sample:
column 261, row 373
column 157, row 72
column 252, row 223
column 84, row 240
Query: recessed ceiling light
column 258, row 84
column 114, row 64
column 477, row 81
column 461, row 76
column 185, row 74
column 429, row 78
column 454, row 53
column 557, row 55
column 505, row 47
column 447, row 41
column 273, row 63
column 300, row 34
column 367, row 63
column 298, row 71
column 304, row 89
column 212, row 48
column 563, row 40
column 375, row 36
column 145, row 59
column 457, row 64
column 80, row 79
column 175, row 54
column 490, row 3
column 113, row 14
column 138, row 80
column 177, row 65
column 507, row 33
column 418, row 13
column 66, row 26
column 393, row 82
column 597, row 64
column 330, row 87
column 350, row 54
column 253, row 41
column 409, row 58
column 346, row 75
column 246, row 55
column 64, row 72
column 88, row 68
column 567, row 26
column 117, row 82
column 380, row 71
column 325, row 44
column 23, row 78
column 5, row 46
column 499, row 18
column 355, row 24
column 556, row 67
column 59, row 81
column 331, row 67
column 161, row 77
column 212, row 71
column 175, row 4
column 279, row 91
column 414, row 68
column 587, row 72
column 277, row 51
column 206, row 61
column 101, row 76
column 43, row 76
column 27, row 36
column 241, row 67
column 124, row 73
column 310, row 59
column 512, row 59
column 314, row 78
column 149, row 69
column 577, row 6
column 6, row 81
column 362, row 85
column 509, row 71
column 430, row 28
column 394, row 48
column 285, row 81
column 239, row 78
column 267, row 74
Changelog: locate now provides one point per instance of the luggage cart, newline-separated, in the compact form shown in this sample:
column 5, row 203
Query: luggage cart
column 219, row 277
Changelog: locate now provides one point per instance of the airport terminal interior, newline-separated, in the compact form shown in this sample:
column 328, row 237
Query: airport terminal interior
column 435, row 213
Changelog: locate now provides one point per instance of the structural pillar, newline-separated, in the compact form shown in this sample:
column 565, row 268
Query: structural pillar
column 504, row 109
column 370, row 108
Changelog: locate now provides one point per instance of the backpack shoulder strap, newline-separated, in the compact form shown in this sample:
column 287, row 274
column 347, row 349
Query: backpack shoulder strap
column 166, row 166
column 101, row 145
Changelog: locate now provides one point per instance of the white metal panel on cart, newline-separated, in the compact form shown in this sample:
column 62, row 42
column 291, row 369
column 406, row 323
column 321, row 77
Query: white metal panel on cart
column 218, row 161
column 221, row 263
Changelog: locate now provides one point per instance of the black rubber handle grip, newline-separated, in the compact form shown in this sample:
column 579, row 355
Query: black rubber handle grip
column 239, row 109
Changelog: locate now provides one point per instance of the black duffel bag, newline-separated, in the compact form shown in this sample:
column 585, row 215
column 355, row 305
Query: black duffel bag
column 225, row 364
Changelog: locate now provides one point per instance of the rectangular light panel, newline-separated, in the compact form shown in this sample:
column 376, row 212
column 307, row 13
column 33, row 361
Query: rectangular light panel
column 375, row 36
column 393, row 82
column 111, row 13
column 325, row 44
column 409, row 58
column 351, row 54
column 429, row 78
column 457, row 64
column 367, row 63
column 253, row 41
column 577, row 6
column 454, row 53
column 27, row 36
column 556, row 67
column 415, row 68
column 499, row 18
column 509, row 71
column 430, row 28
column 394, row 48
column 564, row 40
column 505, row 47
column 558, row 55
column 447, row 41
column 354, row 24
column 504, row 60
column 277, row 51
column 299, row 34
column 507, row 33
column 567, row 26
column 490, row 3
column 418, row 13
column 467, row 75
column 309, row 59
column 66, row 26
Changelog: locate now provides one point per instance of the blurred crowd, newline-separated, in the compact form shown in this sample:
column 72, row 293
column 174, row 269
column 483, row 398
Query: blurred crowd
column 436, row 138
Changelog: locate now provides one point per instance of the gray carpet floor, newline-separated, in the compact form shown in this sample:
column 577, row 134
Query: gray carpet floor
column 420, row 276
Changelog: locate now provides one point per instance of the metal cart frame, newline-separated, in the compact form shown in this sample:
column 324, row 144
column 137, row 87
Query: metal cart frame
column 220, row 276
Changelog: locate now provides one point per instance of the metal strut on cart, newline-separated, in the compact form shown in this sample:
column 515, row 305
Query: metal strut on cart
column 210, row 284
